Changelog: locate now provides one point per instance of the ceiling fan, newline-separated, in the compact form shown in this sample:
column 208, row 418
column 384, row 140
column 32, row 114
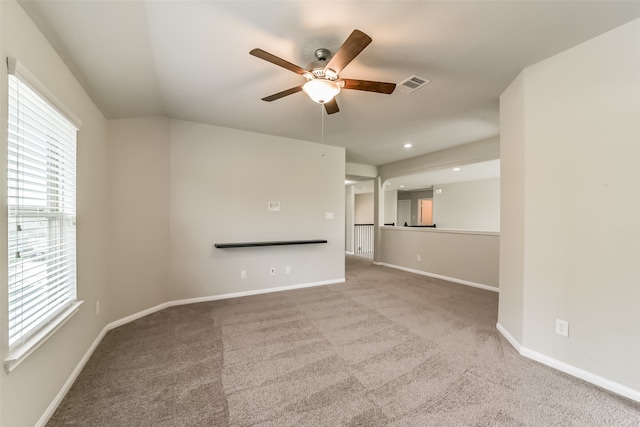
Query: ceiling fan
column 323, row 80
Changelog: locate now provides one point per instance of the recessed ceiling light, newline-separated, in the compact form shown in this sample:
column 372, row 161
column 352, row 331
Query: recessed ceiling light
column 402, row 186
column 408, row 145
column 456, row 169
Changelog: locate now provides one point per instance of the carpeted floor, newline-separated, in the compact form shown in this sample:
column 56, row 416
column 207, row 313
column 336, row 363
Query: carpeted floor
column 386, row 348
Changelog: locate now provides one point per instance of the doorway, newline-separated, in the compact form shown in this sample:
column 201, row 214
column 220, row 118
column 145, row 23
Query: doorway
column 425, row 211
column 404, row 212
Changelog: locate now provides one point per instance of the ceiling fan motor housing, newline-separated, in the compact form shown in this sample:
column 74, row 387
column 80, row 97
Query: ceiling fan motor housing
column 322, row 54
column 318, row 68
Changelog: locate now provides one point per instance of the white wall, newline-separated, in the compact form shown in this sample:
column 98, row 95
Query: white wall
column 471, row 205
column 576, row 122
column 27, row 392
column 221, row 183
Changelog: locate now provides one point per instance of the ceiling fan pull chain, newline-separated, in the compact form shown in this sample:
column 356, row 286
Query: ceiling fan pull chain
column 322, row 123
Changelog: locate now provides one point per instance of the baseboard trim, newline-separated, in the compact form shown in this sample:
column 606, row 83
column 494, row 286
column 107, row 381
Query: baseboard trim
column 587, row 376
column 74, row 375
column 514, row 342
column 439, row 276
column 72, row 378
column 138, row 315
column 254, row 292
column 172, row 303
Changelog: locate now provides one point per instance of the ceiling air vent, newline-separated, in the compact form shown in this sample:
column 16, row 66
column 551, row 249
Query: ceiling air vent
column 412, row 84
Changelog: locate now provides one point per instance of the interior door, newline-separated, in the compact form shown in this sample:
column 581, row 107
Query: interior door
column 426, row 211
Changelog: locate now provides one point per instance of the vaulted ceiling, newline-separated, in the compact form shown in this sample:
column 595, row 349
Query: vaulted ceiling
column 190, row 60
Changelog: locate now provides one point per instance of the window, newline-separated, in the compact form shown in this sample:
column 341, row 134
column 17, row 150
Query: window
column 41, row 199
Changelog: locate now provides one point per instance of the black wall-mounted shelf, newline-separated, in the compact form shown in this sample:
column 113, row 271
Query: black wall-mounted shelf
column 273, row 243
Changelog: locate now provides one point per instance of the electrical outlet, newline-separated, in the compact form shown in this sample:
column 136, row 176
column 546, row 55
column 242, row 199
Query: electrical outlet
column 287, row 269
column 419, row 257
column 243, row 274
column 272, row 271
column 97, row 307
column 562, row 328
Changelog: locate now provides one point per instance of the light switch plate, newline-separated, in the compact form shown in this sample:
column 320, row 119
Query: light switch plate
column 274, row 206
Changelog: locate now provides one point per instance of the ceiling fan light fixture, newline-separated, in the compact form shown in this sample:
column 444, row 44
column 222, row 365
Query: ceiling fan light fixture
column 321, row 90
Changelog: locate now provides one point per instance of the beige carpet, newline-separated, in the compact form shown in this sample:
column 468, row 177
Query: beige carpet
column 386, row 348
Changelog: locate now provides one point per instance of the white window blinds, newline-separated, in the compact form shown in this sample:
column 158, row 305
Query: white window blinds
column 41, row 197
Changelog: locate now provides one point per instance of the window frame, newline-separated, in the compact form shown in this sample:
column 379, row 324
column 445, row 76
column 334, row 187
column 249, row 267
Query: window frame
column 17, row 352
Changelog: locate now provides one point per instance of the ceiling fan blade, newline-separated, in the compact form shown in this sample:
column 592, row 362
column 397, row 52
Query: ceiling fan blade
column 331, row 106
column 259, row 53
column 354, row 44
column 379, row 87
column 282, row 94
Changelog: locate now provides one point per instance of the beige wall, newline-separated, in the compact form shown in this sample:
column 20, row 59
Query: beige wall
column 390, row 206
column 364, row 208
column 470, row 205
column 27, row 392
column 139, row 214
column 473, row 152
column 462, row 256
column 466, row 257
column 512, row 208
column 221, row 181
column 415, row 197
column 349, row 201
column 575, row 118
column 179, row 187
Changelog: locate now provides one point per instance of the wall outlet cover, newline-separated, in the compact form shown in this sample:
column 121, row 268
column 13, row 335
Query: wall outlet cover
column 562, row 328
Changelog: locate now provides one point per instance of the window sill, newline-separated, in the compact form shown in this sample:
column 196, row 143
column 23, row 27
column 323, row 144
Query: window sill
column 19, row 354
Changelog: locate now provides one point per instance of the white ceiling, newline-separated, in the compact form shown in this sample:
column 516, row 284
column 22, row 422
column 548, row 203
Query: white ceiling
column 190, row 60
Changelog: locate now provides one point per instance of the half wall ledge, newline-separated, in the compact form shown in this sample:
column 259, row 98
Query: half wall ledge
column 272, row 243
